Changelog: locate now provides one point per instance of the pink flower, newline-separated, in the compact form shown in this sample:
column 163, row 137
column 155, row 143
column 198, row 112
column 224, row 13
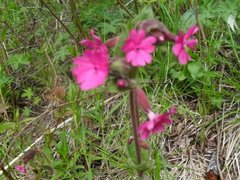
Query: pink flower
column 138, row 48
column 21, row 169
column 91, row 69
column 155, row 124
column 95, row 44
column 184, row 41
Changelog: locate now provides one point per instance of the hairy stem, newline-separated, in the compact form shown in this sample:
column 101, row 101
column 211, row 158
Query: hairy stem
column 135, row 123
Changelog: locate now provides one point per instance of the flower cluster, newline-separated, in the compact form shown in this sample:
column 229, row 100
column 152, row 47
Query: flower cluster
column 93, row 67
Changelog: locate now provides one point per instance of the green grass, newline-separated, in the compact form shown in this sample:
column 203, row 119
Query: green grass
column 36, row 57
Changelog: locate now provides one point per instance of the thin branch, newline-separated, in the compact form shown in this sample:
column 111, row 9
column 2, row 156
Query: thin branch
column 126, row 9
column 136, row 5
column 76, row 18
column 7, row 174
column 63, row 25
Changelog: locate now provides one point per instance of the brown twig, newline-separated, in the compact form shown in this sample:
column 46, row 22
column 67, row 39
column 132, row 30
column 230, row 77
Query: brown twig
column 63, row 25
column 76, row 18
column 126, row 9
column 7, row 174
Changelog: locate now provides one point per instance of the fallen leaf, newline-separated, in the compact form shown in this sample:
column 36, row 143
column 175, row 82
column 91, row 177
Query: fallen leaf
column 3, row 108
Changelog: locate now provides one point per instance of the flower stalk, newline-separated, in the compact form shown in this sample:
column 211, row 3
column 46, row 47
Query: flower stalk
column 135, row 123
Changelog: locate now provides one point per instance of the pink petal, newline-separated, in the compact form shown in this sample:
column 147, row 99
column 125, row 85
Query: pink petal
column 166, row 121
column 147, row 44
column 133, row 34
column 135, row 62
column 191, row 44
column 84, row 76
column 88, row 43
column 128, row 46
column 150, row 125
column 145, row 135
column 93, row 79
column 95, row 37
column 137, row 36
column 140, row 37
column 139, row 58
column 131, row 56
column 158, row 129
column 183, row 57
column 177, row 48
column 90, row 70
column 180, row 38
column 80, row 59
column 145, row 56
column 191, row 31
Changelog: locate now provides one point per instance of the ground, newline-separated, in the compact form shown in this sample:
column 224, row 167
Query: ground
column 75, row 134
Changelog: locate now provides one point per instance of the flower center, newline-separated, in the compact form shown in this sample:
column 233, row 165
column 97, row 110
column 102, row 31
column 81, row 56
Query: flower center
column 137, row 49
column 96, row 68
column 151, row 115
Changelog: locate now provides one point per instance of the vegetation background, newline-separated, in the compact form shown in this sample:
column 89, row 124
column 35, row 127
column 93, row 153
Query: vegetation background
column 38, row 40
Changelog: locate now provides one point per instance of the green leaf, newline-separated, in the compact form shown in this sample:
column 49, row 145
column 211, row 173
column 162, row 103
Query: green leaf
column 63, row 146
column 3, row 34
column 146, row 13
column 145, row 154
column 4, row 126
column 188, row 19
column 195, row 69
column 26, row 111
column 178, row 75
column 122, row 37
column 17, row 60
column 28, row 93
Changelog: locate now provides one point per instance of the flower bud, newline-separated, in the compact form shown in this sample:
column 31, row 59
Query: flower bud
column 157, row 29
column 112, row 42
column 122, row 83
column 142, row 100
